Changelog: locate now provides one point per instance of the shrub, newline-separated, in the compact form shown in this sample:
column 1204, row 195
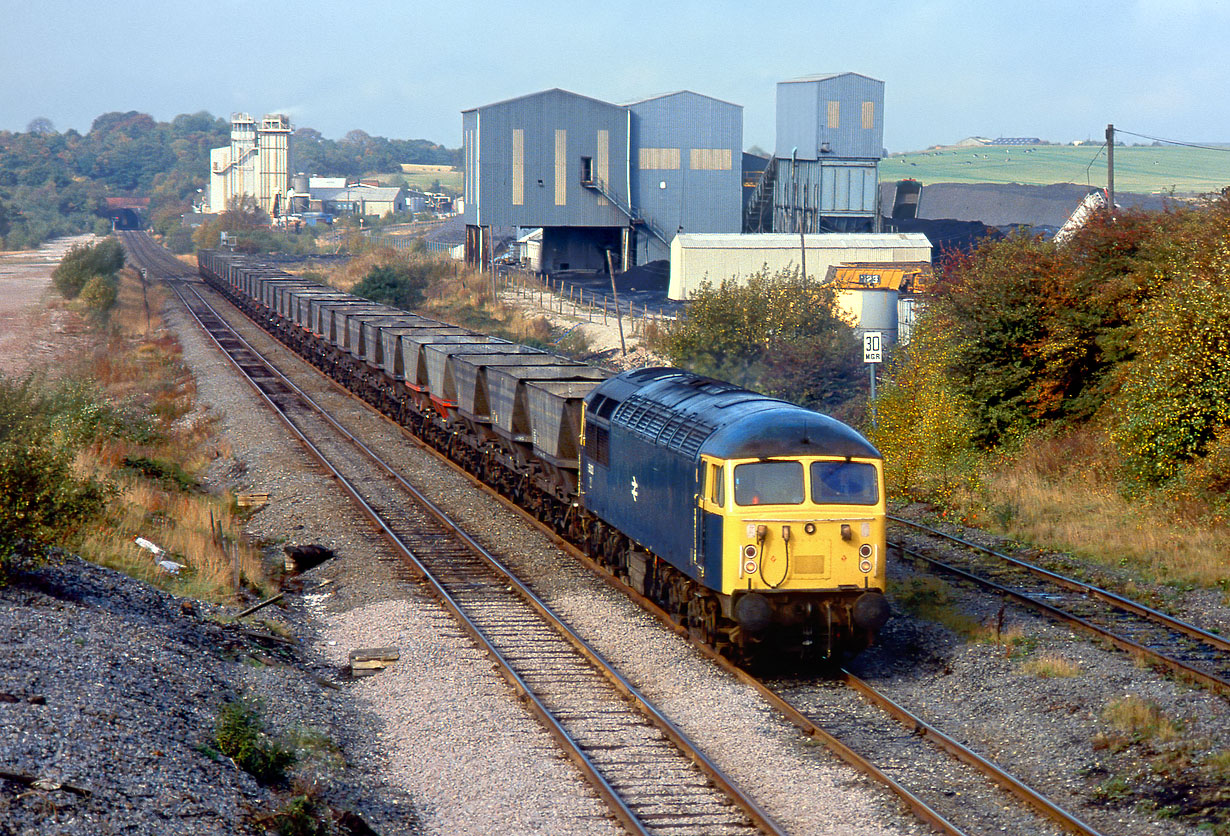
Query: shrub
column 179, row 240
column 993, row 304
column 399, row 285
column 925, row 424
column 99, row 295
column 778, row 333
column 1175, row 401
column 302, row 815
column 84, row 262
column 240, row 737
column 402, row 282
column 39, row 492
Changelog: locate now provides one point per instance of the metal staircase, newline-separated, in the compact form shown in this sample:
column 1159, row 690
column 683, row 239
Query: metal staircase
column 628, row 209
column 761, row 201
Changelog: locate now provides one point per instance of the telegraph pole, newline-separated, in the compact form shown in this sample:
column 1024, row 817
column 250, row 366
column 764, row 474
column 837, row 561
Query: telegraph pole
column 1110, row 167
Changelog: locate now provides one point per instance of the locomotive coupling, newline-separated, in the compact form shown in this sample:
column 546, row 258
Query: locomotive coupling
column 870, row 611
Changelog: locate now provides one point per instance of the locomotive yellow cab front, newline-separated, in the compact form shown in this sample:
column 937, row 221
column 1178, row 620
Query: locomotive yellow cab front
column 792, row 528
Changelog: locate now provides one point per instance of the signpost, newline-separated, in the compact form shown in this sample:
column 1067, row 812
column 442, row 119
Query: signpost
column 873, row 353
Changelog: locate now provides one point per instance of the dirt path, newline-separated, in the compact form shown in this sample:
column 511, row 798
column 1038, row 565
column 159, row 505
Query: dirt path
column 33, row 318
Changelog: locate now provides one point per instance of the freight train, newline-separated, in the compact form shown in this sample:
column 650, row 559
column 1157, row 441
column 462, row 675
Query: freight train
column 756, row 523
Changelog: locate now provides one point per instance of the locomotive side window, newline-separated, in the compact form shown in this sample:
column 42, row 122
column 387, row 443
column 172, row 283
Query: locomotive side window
column 769, row 483
column 715, row 489
column 844, row 483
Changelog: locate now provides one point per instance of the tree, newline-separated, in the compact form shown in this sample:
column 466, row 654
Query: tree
column 40, row 125
column 778, row 333
column 85, row 262
column 243, row 214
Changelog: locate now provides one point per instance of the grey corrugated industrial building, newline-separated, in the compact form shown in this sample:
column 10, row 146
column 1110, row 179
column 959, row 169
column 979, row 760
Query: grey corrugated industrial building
column 601, row 180
column 687, row 168
column 825, row 169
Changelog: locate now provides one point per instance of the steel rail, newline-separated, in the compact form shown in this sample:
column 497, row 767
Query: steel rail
column 1140, row 651
column 911, row 801
column 1104, row 595
column 1040, row 803
column 758, row 816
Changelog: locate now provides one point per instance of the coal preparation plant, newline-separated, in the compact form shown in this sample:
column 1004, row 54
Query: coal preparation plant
column 824, row 174
column 609, row 185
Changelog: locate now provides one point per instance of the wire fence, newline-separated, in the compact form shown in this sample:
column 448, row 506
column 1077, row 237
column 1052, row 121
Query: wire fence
column 577, row 301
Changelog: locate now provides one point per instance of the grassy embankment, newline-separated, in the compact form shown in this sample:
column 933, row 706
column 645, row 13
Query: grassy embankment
column 1062, row 494
column 148, row 453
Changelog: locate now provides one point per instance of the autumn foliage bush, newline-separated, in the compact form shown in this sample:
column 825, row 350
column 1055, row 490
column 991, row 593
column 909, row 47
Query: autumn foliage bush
column 925, row 425
column 89, row 265
column 1124, row 330
column 776, row 333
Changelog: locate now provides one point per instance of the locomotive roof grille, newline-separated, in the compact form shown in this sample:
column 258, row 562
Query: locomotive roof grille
column 662, row 425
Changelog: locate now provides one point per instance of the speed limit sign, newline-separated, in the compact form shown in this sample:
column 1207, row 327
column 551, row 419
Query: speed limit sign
column 873, row 346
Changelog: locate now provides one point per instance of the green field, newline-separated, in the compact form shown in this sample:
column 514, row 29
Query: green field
column 1142, row 169
column 450, row 181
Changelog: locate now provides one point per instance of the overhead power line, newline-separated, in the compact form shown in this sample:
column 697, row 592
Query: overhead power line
column 1171, row 141
column 1091, row 162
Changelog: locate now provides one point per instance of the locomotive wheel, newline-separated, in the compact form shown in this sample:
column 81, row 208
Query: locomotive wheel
column 703, row 618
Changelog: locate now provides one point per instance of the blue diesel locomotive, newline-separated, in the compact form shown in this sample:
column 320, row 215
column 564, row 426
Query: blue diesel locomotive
column 754, row 521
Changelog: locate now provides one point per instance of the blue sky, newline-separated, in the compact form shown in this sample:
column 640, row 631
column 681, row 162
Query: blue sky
column 952, row 68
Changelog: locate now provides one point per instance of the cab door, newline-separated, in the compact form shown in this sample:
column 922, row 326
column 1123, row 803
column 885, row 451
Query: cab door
column 710, row 499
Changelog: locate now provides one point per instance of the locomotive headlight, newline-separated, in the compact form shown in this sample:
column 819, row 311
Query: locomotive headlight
column 810, row 528
column 864, row 552
column 865, row 567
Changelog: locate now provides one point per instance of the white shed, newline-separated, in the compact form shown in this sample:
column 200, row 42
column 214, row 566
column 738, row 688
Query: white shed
column 715, row 257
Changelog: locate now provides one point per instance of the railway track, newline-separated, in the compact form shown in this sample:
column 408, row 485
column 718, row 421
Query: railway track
column 1156, row 638
column 946, row 783
column 157, row 261
column 652, row 777
column 862, row 727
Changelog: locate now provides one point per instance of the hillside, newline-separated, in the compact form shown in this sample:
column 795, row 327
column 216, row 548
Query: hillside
column 1143, row 169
